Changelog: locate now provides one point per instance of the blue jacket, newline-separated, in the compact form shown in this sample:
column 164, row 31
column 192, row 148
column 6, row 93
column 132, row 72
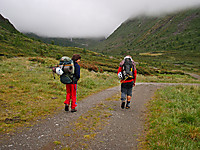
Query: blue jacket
column 77, row 72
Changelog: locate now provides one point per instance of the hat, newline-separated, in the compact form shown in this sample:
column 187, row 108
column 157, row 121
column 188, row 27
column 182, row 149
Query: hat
column 128, row 56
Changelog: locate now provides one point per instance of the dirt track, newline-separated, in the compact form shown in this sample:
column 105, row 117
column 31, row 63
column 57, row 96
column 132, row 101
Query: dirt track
column 121, row 132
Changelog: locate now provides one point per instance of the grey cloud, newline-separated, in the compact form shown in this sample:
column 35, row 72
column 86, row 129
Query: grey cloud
column 82, row 18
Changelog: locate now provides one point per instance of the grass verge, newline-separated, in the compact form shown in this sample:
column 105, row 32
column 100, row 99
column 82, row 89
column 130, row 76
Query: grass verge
column 173, row 119
column 168, row 78
column 28, row 90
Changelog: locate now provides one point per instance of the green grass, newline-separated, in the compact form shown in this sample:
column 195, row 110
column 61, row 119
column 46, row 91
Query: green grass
column 28, row 90
column 15, row 44
column 157, row 59
column 174, row 119
column 167, row 78
column 170, row 42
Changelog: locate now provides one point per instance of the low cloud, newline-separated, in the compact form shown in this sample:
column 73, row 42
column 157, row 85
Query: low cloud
column 82, row 18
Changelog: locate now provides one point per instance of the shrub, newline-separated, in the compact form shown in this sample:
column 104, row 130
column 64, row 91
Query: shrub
column 37, row 59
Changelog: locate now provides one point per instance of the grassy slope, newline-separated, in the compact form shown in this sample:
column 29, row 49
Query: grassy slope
column 5, row 23
column 170, row 42
column 16, row 44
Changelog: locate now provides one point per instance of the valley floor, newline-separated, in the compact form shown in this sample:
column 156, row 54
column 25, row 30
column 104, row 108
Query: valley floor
column 118, row 129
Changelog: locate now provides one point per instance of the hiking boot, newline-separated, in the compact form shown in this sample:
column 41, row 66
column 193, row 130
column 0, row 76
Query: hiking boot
column 66, row 107
column 122, row 105
column 73, row 110
column 128, row 105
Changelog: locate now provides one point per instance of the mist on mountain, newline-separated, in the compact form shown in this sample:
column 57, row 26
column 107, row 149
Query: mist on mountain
column 78, row 18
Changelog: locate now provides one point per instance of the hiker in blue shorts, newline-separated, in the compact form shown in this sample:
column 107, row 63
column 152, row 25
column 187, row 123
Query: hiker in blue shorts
column 127, row 73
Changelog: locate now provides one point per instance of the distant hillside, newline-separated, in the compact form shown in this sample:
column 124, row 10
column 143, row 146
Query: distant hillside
column 73, row 42
column 141, row 34
column 15, row 44
column 150, row 61
column 169, row 40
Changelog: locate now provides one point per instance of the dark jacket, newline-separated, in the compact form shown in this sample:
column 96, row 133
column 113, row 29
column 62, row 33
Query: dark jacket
column 77, row 72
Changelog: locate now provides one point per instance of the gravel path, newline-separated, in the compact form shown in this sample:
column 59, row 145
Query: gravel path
column 51, row 129
column 121, row 132
column 126, row 125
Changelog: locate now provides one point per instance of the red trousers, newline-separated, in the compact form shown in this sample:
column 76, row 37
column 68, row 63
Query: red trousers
column 71, row 94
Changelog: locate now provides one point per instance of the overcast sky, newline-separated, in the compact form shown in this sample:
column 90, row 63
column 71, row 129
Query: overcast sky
column 81, row 18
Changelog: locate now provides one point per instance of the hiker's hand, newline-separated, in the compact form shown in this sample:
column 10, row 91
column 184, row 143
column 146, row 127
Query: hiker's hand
column 133, row 84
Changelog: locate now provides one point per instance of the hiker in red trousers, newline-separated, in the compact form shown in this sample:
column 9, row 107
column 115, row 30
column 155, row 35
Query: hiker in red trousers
column 71, row 88
column 127, row 73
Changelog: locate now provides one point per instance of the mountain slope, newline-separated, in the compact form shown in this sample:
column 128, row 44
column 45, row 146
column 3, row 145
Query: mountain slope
column 5, row 23
column 149, row 33
column 15, row 44
column 172, row 40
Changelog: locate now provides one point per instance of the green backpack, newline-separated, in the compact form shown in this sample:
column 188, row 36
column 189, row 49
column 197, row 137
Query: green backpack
column 67, row 66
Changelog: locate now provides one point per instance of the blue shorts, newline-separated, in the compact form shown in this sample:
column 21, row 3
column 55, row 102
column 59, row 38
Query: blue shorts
column 126, row 90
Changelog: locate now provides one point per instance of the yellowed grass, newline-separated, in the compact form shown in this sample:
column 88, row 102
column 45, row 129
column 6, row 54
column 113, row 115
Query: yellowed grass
column 151, row 54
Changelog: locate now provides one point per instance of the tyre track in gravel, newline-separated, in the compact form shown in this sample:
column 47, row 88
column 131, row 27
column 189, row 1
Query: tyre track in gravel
column 122, row 132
